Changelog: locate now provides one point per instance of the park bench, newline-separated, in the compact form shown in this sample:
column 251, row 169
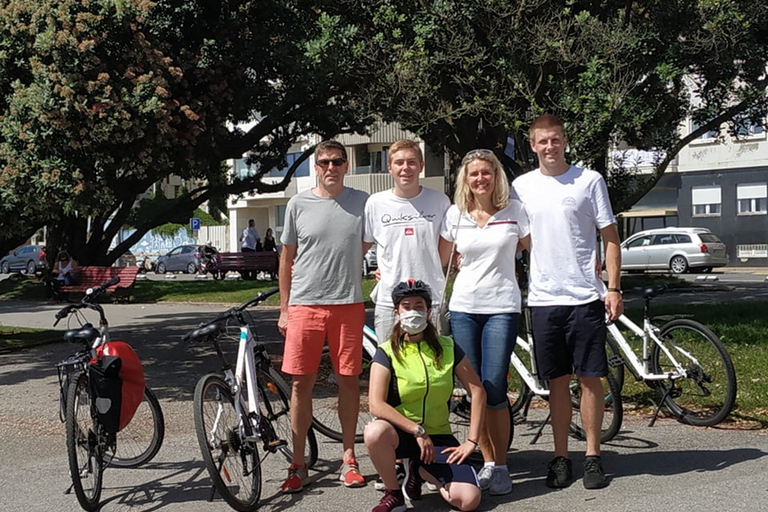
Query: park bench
column 93, row 276
column 248, row 263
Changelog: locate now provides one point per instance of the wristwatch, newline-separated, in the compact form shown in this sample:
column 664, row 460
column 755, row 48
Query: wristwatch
column 617, row 290
column 419, row 431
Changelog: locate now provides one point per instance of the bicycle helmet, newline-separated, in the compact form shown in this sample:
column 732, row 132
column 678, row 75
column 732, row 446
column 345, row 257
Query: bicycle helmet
column 412, row 288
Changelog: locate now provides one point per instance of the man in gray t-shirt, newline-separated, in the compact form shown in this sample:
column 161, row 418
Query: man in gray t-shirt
column 321, row 298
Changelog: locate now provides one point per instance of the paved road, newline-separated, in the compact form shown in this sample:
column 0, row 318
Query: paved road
column 669, row 467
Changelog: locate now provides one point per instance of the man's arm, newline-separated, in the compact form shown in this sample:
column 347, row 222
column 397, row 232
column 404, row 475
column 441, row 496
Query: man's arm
column 285, row 274
column 612, row 243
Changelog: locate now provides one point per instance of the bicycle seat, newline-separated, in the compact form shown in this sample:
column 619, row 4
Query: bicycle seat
column 651, row 291
column 206, row 332
column 86, row 333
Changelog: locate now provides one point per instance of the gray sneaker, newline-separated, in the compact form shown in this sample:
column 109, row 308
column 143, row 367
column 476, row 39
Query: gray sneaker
column 501, row 483
column 484, row 477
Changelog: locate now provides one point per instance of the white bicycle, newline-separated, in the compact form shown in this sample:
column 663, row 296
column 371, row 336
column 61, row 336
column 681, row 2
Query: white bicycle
column 683, row 360
column 237, row 409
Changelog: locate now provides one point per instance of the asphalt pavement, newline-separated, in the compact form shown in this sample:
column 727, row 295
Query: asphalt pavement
column 668, row 467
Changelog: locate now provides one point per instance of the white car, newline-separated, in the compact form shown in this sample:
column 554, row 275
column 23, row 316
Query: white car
column 677, row 249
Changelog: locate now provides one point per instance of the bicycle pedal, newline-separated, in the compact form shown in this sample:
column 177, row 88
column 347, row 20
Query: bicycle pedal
column 615, row 361
column 276, row 444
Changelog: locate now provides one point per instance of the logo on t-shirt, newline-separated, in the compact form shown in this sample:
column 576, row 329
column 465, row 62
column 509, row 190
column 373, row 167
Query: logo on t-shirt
column 409, row 231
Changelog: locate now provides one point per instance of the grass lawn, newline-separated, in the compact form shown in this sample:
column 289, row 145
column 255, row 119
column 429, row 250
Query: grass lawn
column 14, row 338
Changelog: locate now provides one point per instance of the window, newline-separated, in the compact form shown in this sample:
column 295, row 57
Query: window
column 639, row 242
column 682, row 239
column 746, row 129
column 369, row 162
column 280, row 215
column 706, row 201
column 709, row 136
column 301, row 170
column 752, row 198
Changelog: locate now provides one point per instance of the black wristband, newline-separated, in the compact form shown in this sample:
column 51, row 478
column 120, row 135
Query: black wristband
column 472, row 441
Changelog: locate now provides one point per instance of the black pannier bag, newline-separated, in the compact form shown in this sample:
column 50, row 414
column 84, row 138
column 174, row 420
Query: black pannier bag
column 107, row 390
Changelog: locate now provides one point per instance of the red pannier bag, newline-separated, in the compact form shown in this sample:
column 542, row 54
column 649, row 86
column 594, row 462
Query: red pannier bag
column 131, row 376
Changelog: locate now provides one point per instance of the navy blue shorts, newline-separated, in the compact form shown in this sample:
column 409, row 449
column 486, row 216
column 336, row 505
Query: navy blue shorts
column 570, row 339
column 444, row 472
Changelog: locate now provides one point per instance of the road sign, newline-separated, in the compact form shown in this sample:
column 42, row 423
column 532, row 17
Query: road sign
column 194, row 224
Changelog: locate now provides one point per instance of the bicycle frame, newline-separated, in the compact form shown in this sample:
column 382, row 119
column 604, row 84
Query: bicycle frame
column 531, row 377
column 641, row 369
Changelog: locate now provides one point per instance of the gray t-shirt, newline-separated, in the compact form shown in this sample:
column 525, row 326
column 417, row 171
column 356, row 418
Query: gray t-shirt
column 328, row 233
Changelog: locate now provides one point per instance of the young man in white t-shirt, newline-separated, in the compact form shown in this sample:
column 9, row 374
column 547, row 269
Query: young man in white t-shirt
column 566, row 207
column 405, row 224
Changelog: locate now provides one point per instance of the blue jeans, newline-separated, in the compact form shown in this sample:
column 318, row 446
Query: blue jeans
column 488, row 342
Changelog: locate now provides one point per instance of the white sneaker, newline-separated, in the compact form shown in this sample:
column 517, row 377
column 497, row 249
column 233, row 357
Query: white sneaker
column 500, row 483
column 484, row 477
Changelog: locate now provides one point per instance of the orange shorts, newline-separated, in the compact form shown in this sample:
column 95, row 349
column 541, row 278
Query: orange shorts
column 309, row 327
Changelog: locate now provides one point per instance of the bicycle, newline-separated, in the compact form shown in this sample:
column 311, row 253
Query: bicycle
column 234, row 411
column 90, row 447
column 697, row 389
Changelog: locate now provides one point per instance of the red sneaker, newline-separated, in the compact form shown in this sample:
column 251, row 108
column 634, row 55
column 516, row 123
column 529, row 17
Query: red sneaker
column 297, row 479
column 350, row 474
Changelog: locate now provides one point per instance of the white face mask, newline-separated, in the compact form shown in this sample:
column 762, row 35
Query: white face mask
column 413, row 322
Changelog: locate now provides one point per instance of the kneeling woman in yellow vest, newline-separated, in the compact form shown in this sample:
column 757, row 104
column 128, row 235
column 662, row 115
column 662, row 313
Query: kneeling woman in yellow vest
column 411, row 383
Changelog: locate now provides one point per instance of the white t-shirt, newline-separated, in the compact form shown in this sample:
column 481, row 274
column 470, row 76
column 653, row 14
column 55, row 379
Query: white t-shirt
column 487, row 283
column 565, row 213
column 406, row 232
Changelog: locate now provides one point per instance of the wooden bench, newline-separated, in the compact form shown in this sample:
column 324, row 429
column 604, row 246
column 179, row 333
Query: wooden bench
column 248, row 263
column 92, row 276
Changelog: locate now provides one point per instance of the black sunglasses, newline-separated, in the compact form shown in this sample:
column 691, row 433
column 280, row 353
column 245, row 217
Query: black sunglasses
column 335, row 161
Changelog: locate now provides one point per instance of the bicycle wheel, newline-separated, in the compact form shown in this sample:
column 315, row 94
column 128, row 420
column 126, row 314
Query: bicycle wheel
column 140, row 440
column 708, row 394
column 325, row 399
column 613, row 413
column 232, row 461
column 83, row 448
column 460, row 407
column 275, row 410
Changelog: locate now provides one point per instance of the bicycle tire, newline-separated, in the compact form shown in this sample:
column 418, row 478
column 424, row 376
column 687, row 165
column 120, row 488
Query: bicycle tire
column 689, row 400
column 141, row 439
column 325, row 394
column 232, row 463
column 459, row 414
column 83, row 447
column 274, row 404
column 519, row 397
column 613, row 414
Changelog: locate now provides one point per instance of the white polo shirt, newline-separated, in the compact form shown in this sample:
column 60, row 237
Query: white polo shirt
column 486, row 283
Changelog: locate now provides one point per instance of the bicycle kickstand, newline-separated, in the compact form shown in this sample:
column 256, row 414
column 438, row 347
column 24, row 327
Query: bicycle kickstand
column 540, row 432
column 661, row 403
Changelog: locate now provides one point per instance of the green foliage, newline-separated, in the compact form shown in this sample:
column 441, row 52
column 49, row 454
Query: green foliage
column 99, row 101
column 470, row 74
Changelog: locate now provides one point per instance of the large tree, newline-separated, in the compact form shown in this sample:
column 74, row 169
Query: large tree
column 474, row 73
column 101, row 99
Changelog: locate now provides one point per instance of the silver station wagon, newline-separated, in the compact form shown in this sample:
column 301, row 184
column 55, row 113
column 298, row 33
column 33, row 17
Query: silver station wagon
column 677, row 249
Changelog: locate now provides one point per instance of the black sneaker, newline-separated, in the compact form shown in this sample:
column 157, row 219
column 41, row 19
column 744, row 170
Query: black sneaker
column 559, row 474
column 413, row 481
column 594, row 476
column 399, row 471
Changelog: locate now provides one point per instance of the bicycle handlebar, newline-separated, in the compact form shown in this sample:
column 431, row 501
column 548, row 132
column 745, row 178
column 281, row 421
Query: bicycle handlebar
column 217, row 326
column 87, row 301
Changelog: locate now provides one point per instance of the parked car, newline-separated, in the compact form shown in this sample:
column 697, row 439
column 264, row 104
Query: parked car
column 184, row 258
column 369, row 261
column 677, row 249
column 27, row 258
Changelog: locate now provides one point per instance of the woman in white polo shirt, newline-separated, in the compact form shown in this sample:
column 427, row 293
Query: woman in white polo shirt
column 487, row 227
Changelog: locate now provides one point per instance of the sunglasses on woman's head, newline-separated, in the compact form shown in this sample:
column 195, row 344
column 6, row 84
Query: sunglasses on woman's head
column 477, row 153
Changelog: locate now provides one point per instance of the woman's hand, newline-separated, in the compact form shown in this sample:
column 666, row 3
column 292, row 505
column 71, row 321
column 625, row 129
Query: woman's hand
column 427, row 449
column 459, row 453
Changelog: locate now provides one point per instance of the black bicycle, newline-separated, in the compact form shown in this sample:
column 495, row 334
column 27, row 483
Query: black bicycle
column 91, row 444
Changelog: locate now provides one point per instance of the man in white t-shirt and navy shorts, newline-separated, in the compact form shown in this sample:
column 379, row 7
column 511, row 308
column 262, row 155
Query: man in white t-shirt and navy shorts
column 321, row 298
column 405, row 224
column 566, row 207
